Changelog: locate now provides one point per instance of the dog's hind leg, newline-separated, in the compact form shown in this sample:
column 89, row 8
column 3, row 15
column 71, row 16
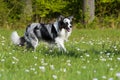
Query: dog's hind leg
column 33, row 41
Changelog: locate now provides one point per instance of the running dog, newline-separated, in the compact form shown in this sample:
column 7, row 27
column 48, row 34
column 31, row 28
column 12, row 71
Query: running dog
column 55, row 33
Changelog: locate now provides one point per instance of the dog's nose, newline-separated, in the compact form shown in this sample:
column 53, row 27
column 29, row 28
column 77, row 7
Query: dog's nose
column 70, row 26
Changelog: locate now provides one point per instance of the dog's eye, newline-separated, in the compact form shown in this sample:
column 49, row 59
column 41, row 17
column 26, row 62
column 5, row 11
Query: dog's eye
column 66, row 23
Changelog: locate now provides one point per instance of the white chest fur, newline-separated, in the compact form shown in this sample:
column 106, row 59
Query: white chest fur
column 65, row 34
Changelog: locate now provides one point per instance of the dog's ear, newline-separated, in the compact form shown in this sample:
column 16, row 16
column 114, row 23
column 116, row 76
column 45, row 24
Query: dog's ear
column 71, row 17
column 60, row 18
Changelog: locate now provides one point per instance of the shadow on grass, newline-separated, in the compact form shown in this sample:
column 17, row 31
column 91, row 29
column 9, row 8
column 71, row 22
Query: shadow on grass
column 73, row 52
column 78, row 54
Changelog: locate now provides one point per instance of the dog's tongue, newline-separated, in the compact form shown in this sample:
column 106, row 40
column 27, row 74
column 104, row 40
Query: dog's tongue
column 68, row 29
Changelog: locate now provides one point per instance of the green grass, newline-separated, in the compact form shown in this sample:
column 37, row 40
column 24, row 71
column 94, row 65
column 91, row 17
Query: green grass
column 92, row 55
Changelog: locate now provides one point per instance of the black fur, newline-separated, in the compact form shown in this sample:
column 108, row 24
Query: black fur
column 22, row 41
column 45, row 34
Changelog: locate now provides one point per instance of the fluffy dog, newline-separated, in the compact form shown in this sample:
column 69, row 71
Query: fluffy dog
column 56, row 33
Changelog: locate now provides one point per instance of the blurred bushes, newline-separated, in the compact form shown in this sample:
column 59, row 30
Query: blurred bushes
column 12, row 13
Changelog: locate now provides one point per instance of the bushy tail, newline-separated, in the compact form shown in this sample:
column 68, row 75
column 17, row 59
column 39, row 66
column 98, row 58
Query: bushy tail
column 16, row 39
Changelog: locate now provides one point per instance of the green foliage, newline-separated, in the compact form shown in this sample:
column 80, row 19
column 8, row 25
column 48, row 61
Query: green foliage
column 12, row 12
column 45, row 7
column 108, row 8
column 3, row 11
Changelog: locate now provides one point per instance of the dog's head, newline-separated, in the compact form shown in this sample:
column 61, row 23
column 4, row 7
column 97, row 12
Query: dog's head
column 65, row 22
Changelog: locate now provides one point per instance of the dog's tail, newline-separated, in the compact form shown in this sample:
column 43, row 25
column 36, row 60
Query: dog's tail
column 17, row 40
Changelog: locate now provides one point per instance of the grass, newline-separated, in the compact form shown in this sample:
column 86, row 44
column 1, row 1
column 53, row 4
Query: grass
column 92, row 55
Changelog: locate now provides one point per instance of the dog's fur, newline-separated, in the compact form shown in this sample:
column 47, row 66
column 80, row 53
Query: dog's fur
column 57, row 33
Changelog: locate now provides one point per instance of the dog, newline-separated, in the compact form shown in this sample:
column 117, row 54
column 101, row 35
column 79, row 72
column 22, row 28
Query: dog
column 55, row 33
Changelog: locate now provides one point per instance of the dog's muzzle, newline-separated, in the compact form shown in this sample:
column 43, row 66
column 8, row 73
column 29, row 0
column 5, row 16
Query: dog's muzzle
column 68, row 29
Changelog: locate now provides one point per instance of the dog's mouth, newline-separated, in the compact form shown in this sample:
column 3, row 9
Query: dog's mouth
column 68, row 29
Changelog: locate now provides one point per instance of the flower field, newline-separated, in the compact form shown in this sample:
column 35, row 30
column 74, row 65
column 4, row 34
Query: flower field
column 91, row 55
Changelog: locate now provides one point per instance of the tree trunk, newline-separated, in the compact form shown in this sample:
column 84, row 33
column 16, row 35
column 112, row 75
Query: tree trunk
column 28, row 10
column 88, row 11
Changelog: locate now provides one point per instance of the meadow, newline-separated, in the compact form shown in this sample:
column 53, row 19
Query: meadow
column 92, row 55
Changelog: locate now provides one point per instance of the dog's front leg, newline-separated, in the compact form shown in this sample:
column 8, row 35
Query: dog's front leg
column 60, row 43
column 62, row 47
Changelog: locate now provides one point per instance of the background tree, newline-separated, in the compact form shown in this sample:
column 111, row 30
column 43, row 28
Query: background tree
column 88, row 10
column 28, row 10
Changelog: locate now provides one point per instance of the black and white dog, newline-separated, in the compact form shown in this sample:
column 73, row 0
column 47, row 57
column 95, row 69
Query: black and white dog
column 56, row 33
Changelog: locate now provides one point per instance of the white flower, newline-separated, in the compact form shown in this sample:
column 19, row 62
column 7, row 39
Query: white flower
column 118, row 74
column 15, row 58
column 103, row 59
column 10, row 53
column 108, row 65
column 27, row 70
column 35, row 64
column 35, row 72
column 2, row 60
column 94, row 71
column 64, row 70
column 52, row 67
column 110, row 79
column 78, row 72
column 95, row 78
column 35, row 57
column 78, row 49
column 84, row 67
column 13, row 62
column 108, row 54
column 87, row 55
column 101, row 52
column 33, row 69
column 69, row 64
column 104, row 77
column 88, row 61
column 111, row 69
column 68, row 61
column 42, row 68
column 3, row 37
column 110, row 59
column 3, row 44
column 118, row 59
column 54, row 76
